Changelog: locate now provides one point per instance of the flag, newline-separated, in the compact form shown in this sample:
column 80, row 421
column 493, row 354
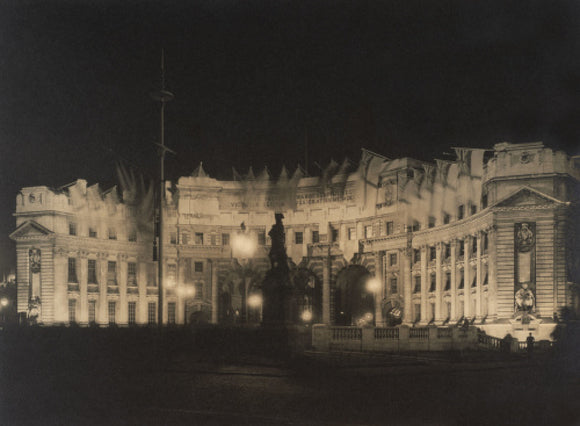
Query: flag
column 463, row 160
column 442, row 171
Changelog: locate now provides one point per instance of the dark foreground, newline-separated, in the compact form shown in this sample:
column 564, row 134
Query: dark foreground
column 139, row 377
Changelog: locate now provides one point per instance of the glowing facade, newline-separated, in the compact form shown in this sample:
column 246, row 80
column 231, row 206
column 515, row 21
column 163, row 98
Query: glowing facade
column 491, row 237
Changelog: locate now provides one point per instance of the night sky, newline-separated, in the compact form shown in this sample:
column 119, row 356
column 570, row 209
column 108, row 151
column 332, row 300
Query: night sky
column 254, row 79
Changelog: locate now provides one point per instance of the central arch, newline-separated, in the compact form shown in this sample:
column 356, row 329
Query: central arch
column 355, row 305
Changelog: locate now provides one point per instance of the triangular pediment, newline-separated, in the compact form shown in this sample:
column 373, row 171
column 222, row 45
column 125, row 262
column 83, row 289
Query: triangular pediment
column 527, row 196
column 30, row 229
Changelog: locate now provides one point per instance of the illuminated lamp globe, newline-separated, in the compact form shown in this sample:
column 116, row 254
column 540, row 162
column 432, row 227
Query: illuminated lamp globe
column 306, row 316
column 255, row 300
column 4, row 301
column 373, row 285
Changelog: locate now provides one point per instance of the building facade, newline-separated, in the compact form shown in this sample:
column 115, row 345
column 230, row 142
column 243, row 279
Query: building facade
column 491, row 237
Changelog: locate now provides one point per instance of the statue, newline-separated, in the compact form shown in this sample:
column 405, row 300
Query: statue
column 524, row 299
column 278, row 257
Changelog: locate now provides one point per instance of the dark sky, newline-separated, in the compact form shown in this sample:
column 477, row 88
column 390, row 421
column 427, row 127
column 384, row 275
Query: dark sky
column 252, row 78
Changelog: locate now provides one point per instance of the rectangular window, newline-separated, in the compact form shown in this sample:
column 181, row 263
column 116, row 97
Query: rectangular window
column 485, row 243
column 225, row 239
column 298, row 237
column 171, row 274
column 72, row 228
column 474, row 277
column 460, row 212
column 173, row 238
column 484, row 201
column 111, row 273
column 392, row 259
column 92, row 311
column 72, row 270
column 461, row 282
column 446, row 218
column 132, row 308
column 171, row 312
column 417, row 288
column 417, row 309
column 151, row 313
column 198, row 266
column 315, row 237
column 447, row 281
column 390, row 228
column 416, row 226
column 92, row 233
column 151, row 275
column 394, row 285
column 92, row 271
column 132, row 235
column 352, row 234
column 461, row 248
column 132, row 274
column 474, row 246
column 368, row 231
column 213, row 239
column 473, row 209
column 112, row 234
column 432, row 253
column 447, row 251
column 334, row 233
column 433, row 283
column 416, row 255
column 112, row 313
column 72, row 310
column 262, row 238
column 185, row 238
column 199, row 238
column 431, row 222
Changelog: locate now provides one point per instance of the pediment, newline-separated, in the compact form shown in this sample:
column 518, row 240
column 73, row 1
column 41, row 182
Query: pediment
column 527, row 197
column 30, row 229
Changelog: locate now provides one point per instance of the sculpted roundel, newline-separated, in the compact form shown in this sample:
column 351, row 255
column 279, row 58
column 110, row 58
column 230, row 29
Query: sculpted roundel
column 525, row 238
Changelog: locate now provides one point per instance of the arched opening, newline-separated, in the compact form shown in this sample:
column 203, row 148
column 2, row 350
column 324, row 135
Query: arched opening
column 354, row 303
column 240, row 296
column 308, row 295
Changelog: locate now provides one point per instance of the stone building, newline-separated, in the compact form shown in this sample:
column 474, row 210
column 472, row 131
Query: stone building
column 490, row 237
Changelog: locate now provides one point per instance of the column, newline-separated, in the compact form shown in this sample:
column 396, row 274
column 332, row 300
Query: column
column 60, row 289
column 380, row 294
column 83, row 311
column 424, row 287
column 122, row 309
column 467, row 278
column 491, row 275
column 439, row 285
column 214, row 292
column 102, row 307
column 406, row 264
column 142, row 285
column 479, row 293
column 326, row 262
column 454, row 314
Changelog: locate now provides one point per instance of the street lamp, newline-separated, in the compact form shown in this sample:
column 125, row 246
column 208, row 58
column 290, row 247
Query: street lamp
column 243, row 248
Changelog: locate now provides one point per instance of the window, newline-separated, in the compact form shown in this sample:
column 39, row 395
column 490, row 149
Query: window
column 111, row 273
column 198, row 266
column 474, row 277
column 132, row 308
column 352, row 233
column 262, row 238
column 334, row 234
column 447, row 251
column 298, row 237
column 92, row 271
column 173, row 238
column 473, row 209
column 213, row 239
column 431, row 222
column 432, row 253
column 394, row 285
column 417, row 288
column 92, row 233
column 72, row 228
column 390, row 228
column 485, row 243
column 315, row 237
column 417, row 309
column 446, row 218
column 433, row 285
column 484, row 201
column 392, row 259
column 416, row 226
column 112, row 313
column 72, row 270
column 368, row 231
column 485, row 279
column 171, row 274
column 151, row 275
column 92, row 311
column 474, row 246
column 447, row 281
column 171, row 312
column 461, row 248
column 416, row 255
column 460, row 212
column 132, row 235
column 72, row 310
column 461, row 282
column 199, row 290
column 185, row 238
column 132, row 274
column 112, row 234
column 199, row 238
column 151, row 312
column 225, row 239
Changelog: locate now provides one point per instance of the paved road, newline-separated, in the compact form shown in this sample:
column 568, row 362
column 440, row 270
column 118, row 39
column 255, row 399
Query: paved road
column 143, row 388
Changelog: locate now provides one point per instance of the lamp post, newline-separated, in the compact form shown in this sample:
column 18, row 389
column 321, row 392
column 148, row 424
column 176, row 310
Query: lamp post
column 373, row 286
column 243, row 248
